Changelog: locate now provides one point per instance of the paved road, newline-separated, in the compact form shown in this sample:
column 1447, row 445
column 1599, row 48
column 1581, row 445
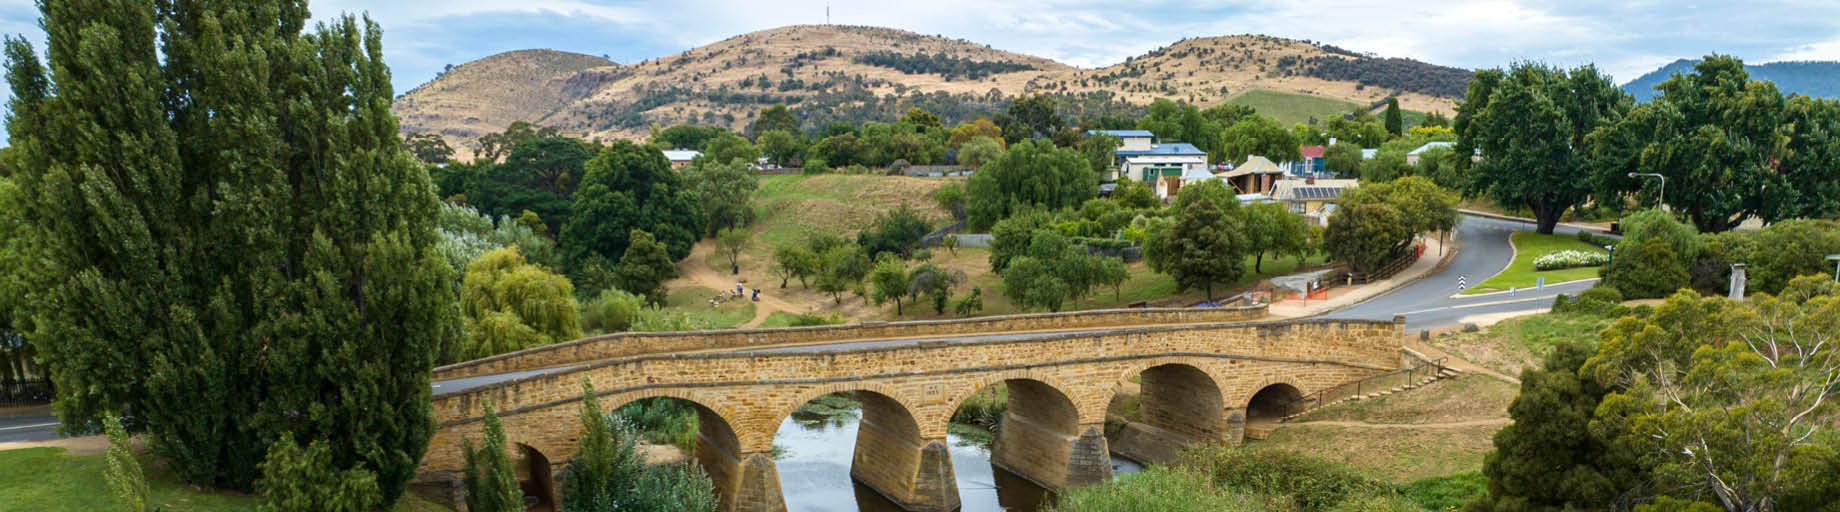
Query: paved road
column 1427, row 304
column 27, row 428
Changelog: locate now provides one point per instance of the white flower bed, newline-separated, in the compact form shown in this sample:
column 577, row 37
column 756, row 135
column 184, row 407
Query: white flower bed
column 1570, row 259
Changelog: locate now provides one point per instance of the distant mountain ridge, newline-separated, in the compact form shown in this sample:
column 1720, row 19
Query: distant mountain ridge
column 835, row 73
column 1820, row 79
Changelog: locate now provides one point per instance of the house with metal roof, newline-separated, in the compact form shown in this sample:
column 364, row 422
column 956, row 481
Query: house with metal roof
column 1167, row 173
column 1412, row 157
column 681, row 157
column 1312, row 198
column 1312, row 163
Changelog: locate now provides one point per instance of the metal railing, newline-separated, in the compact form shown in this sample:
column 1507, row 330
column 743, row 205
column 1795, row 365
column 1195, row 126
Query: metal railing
column 26, row 392
column 1393, row 379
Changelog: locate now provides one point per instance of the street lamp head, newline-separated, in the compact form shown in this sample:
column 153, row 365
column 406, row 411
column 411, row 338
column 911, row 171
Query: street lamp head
column 1632, row 175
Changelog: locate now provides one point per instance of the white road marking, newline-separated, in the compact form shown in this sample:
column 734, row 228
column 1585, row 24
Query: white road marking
column 29, row 426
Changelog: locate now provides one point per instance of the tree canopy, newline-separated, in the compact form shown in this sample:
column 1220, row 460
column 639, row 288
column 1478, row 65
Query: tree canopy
column 630, row 187
column 1531, row 124
column 1031, row 174
column 242, row 248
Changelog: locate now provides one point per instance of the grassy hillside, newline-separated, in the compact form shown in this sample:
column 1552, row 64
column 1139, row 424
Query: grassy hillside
column 1289, row 108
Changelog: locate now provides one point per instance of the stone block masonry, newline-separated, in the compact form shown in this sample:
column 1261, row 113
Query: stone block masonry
column 612, row 346
column 1199, row 381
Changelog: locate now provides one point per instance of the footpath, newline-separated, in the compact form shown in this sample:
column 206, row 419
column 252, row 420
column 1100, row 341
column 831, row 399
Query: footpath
column 1343, row 296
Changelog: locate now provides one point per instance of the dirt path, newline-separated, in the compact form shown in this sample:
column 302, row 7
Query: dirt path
column 1454, row 424
column 86, row 445
column 696, row 270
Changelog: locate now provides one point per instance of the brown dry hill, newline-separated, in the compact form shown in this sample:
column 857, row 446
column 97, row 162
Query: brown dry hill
column 1209, row 70
column 820, row 70
column 486, row 95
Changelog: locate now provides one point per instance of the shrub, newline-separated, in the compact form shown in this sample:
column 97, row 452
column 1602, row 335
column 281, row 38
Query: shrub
column 815, row 165
column 1649, row 270
column 1446, row 492
column 614, row 310
column 1570, row 259
column 609, row 474
column 661, row 421
column 1162, row 490
column 124, row 476
column 817, row 319
column 295, row 478
column 1312, row 483
column 1607, row 294
column 1680, row 237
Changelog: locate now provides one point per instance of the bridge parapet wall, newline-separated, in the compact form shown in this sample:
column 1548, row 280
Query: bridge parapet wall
column 620, row 345
column 1359, row 345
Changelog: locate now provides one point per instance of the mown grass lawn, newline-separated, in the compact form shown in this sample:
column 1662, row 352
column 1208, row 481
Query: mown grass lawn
column 1527, row 246
column 48, row 479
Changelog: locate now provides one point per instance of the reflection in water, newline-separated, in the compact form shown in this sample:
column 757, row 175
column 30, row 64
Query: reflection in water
column 813, row 455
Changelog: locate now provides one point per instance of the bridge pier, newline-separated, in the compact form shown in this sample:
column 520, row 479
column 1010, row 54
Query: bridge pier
column 756, row 486
column 1055, row 460
column 916, row 477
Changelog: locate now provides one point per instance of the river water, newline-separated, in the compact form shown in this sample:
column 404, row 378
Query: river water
column 813, row 455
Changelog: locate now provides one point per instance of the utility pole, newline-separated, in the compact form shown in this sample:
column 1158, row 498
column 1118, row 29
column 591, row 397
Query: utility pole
column 827, row 14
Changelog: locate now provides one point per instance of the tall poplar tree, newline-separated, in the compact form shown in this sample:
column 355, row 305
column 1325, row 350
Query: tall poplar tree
column 235, row 244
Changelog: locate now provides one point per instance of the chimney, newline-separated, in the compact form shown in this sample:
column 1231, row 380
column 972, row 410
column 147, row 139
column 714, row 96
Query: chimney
column 1309, row 180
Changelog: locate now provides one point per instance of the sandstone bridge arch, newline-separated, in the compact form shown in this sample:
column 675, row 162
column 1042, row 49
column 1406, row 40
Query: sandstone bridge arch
column 1199, row 382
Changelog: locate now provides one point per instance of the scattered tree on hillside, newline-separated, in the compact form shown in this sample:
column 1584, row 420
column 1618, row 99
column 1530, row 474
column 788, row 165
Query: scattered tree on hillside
column 935, row 283
column 780, row 147
column 733, row 241
column 1272, row 228
column 951, row 197
column 493, row 146
column 724, row 191
column 428, row 147
column 891, row 281
column 981, row 127
column 896, row 231
column 775, row 118
column 227, row 235
column 686, row 136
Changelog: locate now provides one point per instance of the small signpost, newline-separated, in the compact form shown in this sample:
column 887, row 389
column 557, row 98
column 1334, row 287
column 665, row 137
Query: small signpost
column 1541, row 284
column 1462, row 282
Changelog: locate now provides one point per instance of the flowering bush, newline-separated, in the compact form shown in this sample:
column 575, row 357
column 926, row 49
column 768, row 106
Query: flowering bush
column 1569, row 259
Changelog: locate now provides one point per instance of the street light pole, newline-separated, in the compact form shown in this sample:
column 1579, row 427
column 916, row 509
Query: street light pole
column 1661, row 200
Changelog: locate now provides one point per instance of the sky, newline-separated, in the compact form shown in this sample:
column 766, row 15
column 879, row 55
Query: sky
column 1626, row 38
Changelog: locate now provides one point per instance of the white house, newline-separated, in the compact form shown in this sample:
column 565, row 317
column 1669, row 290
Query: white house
column 1166, row 174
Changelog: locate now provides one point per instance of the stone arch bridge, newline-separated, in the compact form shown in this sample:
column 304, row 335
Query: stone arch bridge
column 1202, row 380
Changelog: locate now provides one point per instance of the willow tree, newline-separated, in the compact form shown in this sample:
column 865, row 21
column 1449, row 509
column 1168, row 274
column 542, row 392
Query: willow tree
column 241, row 246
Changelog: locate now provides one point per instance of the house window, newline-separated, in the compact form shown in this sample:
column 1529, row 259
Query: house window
column 1297, row 208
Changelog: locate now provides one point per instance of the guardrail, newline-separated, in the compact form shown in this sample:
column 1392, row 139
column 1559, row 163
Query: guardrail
column 1384, row 381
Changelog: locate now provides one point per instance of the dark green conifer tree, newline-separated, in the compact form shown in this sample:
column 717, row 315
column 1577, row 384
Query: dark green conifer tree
column 235, row 243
